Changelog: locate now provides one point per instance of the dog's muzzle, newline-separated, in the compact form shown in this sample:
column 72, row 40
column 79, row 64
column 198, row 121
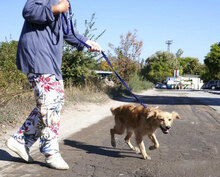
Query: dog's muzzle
column 165, row 130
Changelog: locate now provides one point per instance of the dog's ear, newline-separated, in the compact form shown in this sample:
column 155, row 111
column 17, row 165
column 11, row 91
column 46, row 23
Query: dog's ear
column 175, row 115
column 113, row 111
column 152, row 114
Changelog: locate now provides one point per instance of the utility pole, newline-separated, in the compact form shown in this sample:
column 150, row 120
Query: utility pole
column 169, row 42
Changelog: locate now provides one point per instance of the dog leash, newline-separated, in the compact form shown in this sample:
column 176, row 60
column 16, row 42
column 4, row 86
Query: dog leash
column 66, row 32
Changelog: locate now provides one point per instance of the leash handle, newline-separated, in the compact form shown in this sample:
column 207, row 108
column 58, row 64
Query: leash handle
column 66, row 32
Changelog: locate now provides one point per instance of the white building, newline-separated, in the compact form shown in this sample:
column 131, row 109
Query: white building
column 185, row 82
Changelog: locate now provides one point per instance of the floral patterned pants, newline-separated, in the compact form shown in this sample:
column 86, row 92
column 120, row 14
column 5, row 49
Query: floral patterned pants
column 44, row 120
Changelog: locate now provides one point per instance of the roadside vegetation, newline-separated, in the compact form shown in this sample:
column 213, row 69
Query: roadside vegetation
column 82, row 84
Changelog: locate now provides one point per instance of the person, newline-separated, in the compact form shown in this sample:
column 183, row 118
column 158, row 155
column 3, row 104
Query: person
column 39, row 55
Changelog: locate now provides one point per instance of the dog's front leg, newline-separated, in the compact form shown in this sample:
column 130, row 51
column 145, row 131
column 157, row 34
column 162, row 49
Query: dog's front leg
column 127, row 140
column 154, row 140
column 140, row 143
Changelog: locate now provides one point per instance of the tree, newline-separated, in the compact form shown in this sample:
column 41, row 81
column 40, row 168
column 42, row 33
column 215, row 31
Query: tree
column 212, row 62
column 77, row 65
column 177, row 60
column 159, row 66
column 179, row 53
column 130, row 47
column 190, row 65
column 205, row 75
column 162, row 65
column 127, row 55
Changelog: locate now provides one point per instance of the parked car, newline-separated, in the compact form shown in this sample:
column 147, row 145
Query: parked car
column 157, row 85
column 161, row 86
column 205, row 86
column 218, row 84
column 213, row 84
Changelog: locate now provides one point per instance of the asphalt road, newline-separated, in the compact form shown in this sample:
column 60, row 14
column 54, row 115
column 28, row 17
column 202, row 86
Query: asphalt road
column 191, row 149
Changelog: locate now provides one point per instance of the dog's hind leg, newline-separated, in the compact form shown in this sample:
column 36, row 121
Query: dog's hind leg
column 113, row 142
column 118, row 129
column 154, row 140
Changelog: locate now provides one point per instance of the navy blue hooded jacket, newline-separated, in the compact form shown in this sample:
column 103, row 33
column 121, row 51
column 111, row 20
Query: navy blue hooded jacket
column 41, row 41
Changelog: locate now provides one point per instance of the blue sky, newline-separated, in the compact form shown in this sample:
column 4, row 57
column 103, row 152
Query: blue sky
column 193, row 25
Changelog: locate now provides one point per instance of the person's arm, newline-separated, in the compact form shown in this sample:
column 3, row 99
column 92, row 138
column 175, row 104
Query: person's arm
column 42, row 12
column 70, row 39
column 61, row 7
column 95, row 47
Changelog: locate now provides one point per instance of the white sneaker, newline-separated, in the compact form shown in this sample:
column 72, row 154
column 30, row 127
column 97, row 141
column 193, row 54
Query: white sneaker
column 20, row 149
column 56, row 161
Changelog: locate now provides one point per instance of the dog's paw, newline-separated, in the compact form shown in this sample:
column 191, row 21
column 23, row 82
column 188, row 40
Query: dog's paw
column 113, row 143
column 152, row 147
column 147, row 158
column 137, row 150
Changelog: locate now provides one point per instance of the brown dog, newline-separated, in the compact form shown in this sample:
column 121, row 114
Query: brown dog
column 140, row 121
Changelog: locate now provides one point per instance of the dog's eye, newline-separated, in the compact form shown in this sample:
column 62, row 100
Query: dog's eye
column 169, row 119
column 161, row 120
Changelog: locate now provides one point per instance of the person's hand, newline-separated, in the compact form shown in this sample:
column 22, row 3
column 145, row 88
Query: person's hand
column 95, row 47
column 61, row 7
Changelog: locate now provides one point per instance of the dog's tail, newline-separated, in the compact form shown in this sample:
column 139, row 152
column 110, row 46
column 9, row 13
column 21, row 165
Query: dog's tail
column 113, row 111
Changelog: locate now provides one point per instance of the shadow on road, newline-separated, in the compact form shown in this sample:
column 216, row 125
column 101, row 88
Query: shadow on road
column 100, row 150
column 171, row 100
column 5, row 156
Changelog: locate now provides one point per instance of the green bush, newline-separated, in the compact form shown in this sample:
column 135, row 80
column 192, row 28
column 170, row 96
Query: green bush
column 136, row 83
column 11, row 79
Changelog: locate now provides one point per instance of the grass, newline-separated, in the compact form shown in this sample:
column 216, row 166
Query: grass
column 136, row 83
column 85, row 94
column 15, row 108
